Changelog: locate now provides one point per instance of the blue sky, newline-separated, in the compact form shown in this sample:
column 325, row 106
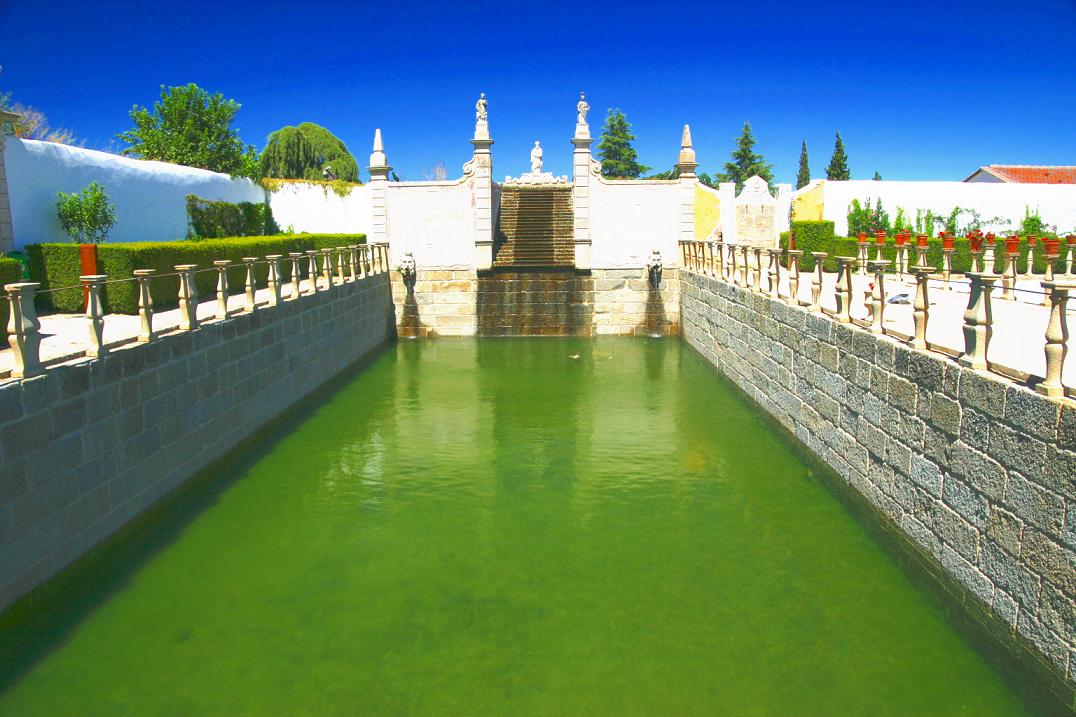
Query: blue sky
column 919, row 90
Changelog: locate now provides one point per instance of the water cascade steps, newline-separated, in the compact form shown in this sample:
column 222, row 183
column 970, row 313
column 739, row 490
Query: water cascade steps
column 534, row 228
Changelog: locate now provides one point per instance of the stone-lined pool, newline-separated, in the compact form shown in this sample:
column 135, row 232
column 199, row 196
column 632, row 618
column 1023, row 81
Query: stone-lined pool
column 499, row 526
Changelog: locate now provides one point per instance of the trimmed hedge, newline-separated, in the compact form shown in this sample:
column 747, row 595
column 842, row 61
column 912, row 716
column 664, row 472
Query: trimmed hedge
column 215, row 219
column 812, row 231
column 10, row 272
column 849, row 246
column 57, row 265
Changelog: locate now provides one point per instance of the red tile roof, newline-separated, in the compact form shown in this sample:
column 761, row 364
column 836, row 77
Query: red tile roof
column 1030, row 174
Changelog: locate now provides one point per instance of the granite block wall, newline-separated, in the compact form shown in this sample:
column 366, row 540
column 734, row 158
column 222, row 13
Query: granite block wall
column 452, row 302
column 87, row 446
column 977, row 474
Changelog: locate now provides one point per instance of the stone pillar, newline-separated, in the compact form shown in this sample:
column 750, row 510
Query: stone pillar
column 273, row 279
column 978, row 321
column 581, row 193
column 145, row 306
column 7, row 234
column 816, row 281
column 250, row 302
column 296, row 257
column 1057, row 337
column 921, row 307
column 877, row 303
column 188, row 297
column 379, row 180
column 23, row 330
column 481, row 166
column 685, row 165
column 843, row 289
column 222, row 288
column 95, row 315
column 794, row 276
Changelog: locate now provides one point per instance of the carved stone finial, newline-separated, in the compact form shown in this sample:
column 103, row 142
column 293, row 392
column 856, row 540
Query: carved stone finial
column 581, row 109
column 686, row 161
column 379, row 164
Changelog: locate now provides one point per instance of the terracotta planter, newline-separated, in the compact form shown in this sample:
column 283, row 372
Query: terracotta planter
column 947, row 242
column 1012, row 245
column 991, row 239
column 879, row 237
column 862, row 237
column 922, row 240
column 976, row 242
column 1052, row 247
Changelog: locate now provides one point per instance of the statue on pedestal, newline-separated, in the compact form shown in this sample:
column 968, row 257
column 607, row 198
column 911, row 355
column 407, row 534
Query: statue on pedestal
column 536, row 159
column 581, row 109
column 480, row 108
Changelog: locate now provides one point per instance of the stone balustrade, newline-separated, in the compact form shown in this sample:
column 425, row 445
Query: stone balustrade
column 742, row 266
column 339, row 265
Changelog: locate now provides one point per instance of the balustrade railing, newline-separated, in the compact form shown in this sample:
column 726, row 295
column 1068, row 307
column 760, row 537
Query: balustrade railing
column 340, row 266
column 742, row 266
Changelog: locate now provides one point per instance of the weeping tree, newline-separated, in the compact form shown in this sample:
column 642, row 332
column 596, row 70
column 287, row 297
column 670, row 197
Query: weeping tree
column 304, row 152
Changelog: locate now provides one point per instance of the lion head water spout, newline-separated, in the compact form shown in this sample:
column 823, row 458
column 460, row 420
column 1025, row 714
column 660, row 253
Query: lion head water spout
column 653, row 269
column 408, row 271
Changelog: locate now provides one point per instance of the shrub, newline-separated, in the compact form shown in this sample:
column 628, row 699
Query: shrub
column 214, row 219
column 849, row 246
column 10, row 272
column 861, row 218
column 813, row 230
column 57, row 265
column 88, row 216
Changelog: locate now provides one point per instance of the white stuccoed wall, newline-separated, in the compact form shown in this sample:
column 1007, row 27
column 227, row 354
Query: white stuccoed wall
column 1056, row 203
column 631, row 218
column 434, row 221
column 150, row 197
column 317, row 209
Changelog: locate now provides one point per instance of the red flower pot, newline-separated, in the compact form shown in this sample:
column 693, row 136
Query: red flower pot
column 947, row 242
column 991, row 240
column 976, row 242
column 1052, row 246
column 1012, row 245
column 922, row 240
column 863, row 237
column 879, row 237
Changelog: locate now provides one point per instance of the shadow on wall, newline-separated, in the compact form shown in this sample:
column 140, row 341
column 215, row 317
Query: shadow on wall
column 535, row 303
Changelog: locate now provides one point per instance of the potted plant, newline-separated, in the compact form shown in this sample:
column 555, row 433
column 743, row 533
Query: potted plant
column 86, row 217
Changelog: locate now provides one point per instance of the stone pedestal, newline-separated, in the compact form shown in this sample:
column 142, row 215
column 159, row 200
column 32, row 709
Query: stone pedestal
column 581, row 162
column 756, row 214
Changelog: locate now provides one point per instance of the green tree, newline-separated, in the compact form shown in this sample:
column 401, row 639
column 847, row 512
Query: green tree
column 746, row 163
column 617, row 156
column 192, row 127
column 877, row 177
column 304, row 152
column 88, row 216
column 838, row 163
column 803, row 176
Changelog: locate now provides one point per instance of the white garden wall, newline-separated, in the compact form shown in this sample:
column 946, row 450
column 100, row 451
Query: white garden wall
column 1056, row 203
column 317, row 209
column 434, row 221
column 629, row 219
column 150, row 197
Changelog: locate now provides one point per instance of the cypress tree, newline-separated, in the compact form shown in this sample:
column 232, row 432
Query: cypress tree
column 803, row 177
column 746, row 163
column 877, row 177
column 617, row 156
column 838, row 163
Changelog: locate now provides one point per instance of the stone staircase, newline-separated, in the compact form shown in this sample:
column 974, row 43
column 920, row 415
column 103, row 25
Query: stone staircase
column 534, row 228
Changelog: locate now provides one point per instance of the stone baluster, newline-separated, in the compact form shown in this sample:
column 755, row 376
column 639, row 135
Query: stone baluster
column 222, row 288
column 250, row 286
column 341, row 261
column 719, row 259
column 863, row 247
column 188, row 297
column 978, row 321
column 296, row 257
column 95, row 315
column 756, row 269
column 384, row 257
column 1029, row 267
column 921, row 251
column 352, row 261
column 843, row 289
column 794, row 276
column 877, row 296
column 947, row 266
column 775, row 272
column 734, row 267
column 312, row 270
column 145, row 306
column 1008, row 281
column 273, row 279
column 1057, row 336
column 1070, row 242
column 816, row 281
column 977, row 262
column 1050, row 253
column 683, row 253
column 327, row 267
column 921, row 308
column 23, row 329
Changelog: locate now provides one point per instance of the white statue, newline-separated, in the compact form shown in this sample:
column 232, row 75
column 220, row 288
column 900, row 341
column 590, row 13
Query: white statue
column 581, row 109
column 480, row 108
column 536, row 159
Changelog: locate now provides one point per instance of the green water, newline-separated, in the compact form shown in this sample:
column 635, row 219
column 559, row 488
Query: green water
column 494, row 527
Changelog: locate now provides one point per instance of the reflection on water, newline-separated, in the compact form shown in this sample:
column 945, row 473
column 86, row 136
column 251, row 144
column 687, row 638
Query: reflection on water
column 501, row 526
